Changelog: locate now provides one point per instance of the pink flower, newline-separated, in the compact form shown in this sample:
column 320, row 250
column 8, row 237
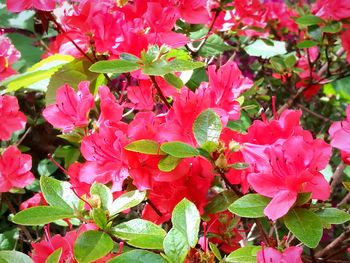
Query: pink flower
column 332, row 9
column 15, row 169
column 71, row 108
column 271, row 255
column 8, row 55
column 340, row 132
column 294, row 168
column 35, row 200
column 142, row 96
column 194, row 11
column 104, row 152
column 345, row 40
column 11, row 119
column 20, row 5
column 43, row 249
column 226, row 85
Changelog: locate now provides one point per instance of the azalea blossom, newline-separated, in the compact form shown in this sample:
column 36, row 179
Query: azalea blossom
column 11, row 118
column 18, row 6
column 71, row 108
column 8, row 55
column 292, row 170
column 340, row 132
column 271, row 255
column 15, row 169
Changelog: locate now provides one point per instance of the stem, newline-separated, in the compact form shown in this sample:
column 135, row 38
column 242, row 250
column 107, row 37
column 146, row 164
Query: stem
column 24, row 136
column 334, row 244
column 13, row 211
column 313, row 113
column 159, row 91
column 337, row 176
column 262, row 233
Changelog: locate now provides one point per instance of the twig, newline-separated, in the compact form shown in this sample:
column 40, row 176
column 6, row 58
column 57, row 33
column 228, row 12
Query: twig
column 159, row 91
column 345, row 200
column 314, row 113
column 13, row 211
column 335, row 243
column 24, row 136
column 337, row 176
column 262, row 233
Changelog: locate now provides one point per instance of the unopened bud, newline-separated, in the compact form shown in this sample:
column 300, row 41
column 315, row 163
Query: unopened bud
column 95, row 201
column 221, row 162
column 234, row 146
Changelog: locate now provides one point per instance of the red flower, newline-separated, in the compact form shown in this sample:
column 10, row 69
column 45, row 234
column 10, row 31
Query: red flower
column 11, row 118
column 20, row 5
column 294, row 168
column 271, row 255
column 332, row 9
column 340, row 132
column 226, row 85
column 8, row 55
column 345, row 40
column 35, row 200
column 222, row 229
column 71, row 108
column 15, row 169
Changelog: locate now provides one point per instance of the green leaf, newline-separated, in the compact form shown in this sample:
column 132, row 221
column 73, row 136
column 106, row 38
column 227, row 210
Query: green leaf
column 309, row 20
column 305, row 225
column 240, row 125
column 260, row 49
column 72, row 74
column 127, row 200
column 239, row 166
column 38, row 73
column 157, row 68
column 214, row 45
column 333, row 216
column 12, row 256
column 244, row 255
column 99, row 217
column 178, row 65
column 173, row 80
column 339, row 88
column 290, row 61
column 138, row 256
column 332, row 27
column 250, row 206
column 69, row 153
column 143, row 146
column 186, row 219
column 307, row 44
column 303, row 198
column 168, row 163
column 104, row 194
column 220, row 202
column 207, row 127
column 59, row 194
column 114, row 66
column 140, row 233
column 176, row 246
column 54, row 256
column 8, row 239
column 179, row 149
column 92, row 245
column 46, row 167
column 40, row 215
column 215, row 251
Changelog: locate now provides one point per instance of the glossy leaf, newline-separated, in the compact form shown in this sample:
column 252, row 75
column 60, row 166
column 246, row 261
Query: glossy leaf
column 220, row 202
column 138, row 256
column 54, row 256
column 58, row 193
column 176, row 246
column 333, row 215
column 12, row 256
column 127, row 200
column 186, row 219
column 92, row 245
column 114, row 66
column 40, row 215
column 141, row 233
column 243, row 255
column 168, row 163
column 260, row 49
column 143, row 146
column 305, row 225
column 250, row 206
column 207, row 127
column 179, row 149
column 309, row 20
